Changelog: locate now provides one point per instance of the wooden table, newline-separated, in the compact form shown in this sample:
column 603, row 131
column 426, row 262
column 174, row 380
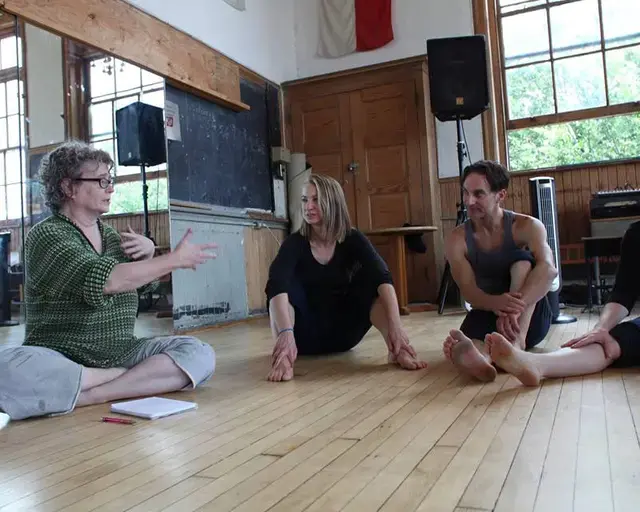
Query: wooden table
column 398, row 265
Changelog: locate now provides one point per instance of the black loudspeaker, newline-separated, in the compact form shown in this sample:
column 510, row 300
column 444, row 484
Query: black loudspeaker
column 458, row 77
column 140, row 132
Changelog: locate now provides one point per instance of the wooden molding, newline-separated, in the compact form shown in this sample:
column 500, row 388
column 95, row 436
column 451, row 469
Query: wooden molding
column 128, row 33
column 576, row 115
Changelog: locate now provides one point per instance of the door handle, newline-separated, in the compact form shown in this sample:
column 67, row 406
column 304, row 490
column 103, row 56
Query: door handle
column 353, row 167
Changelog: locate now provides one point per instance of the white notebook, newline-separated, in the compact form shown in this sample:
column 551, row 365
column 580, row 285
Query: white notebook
column 153, row 407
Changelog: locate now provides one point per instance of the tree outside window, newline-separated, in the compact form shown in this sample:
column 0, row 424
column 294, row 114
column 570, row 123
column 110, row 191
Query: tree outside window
column 572, row 76
column 115, row 84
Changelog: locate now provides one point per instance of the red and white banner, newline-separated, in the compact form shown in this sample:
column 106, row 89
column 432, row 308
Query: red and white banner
column 348, row 26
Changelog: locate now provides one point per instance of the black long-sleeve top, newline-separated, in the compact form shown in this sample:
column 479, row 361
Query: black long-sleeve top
column 627, row 286
column 325, row 283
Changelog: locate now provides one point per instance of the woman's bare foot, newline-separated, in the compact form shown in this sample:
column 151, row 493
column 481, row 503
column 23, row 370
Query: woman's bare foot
column 461, row 351
column 407, row 361
column 516, row 362
column 281, row 371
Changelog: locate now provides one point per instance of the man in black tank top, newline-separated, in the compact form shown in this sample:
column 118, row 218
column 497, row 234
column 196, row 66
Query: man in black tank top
column 504, row 267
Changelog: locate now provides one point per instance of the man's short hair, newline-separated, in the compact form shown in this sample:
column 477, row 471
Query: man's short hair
column 496, row 174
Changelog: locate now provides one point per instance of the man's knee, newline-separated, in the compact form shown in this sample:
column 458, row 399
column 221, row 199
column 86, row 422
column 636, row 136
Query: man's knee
column 198, row 356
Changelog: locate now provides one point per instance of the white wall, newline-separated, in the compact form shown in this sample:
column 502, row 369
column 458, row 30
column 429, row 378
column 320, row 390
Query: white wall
column 260, row 38
column 414, row 21
column 45, row 92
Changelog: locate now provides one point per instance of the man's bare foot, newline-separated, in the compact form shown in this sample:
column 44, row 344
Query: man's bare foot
column 516, row 362
column 282, row 371
column 461, row 351
column 406, row 361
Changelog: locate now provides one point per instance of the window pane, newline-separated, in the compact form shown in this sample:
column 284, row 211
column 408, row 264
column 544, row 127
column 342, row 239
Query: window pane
column 14, row 131
column 12, row 97
column 101, row 119
column 591, row 140
column 526, row 38
column 507, row 6
column 623, row 74
column 13, row 166
column 101, row 82
column 3, row 100
column 621, row 20
column 530, row 91
column 105, row 145
column 580, row 83
column 127, row 76
column 575, row 28
column 127, row 197
column 123, row 102
column 150, row 78
column 3, row 203
column 3, row 134
column 14, row 208
column 155, row 98
column 10, row 53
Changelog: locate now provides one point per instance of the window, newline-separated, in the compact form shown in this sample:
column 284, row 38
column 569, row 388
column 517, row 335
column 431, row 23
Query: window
column 12, row 129
column 572, row 80
column 115, row 84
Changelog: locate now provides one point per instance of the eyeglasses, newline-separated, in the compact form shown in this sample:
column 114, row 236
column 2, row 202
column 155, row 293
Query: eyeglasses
column 103, row 182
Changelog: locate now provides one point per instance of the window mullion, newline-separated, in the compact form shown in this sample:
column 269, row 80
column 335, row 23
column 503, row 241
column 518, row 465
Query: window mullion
column 604, row 60
column 552, row 62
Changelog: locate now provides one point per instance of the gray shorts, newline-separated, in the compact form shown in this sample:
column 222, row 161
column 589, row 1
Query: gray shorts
column 37, row 381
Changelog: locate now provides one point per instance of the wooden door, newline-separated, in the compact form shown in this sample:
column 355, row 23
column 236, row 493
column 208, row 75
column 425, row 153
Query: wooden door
column 386, row 150
column 321, row 128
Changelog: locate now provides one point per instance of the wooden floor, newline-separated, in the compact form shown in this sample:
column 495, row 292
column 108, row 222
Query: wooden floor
column 349, row 433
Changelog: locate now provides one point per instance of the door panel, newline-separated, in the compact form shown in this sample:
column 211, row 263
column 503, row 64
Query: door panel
column 386, row 147
column 322, row 130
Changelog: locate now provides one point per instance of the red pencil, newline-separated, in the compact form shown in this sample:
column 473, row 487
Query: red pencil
column 108, row 419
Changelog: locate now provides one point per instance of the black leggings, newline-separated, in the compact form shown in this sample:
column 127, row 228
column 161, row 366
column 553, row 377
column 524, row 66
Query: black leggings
column 335, row 327
column 627, row 334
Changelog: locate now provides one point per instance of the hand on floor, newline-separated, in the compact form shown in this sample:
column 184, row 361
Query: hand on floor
column 284, row 355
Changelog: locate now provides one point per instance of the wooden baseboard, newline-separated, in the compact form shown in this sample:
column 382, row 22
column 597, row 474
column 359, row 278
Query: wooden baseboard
column 419, row 307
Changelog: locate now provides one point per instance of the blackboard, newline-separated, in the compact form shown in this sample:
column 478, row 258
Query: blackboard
column 224, row 157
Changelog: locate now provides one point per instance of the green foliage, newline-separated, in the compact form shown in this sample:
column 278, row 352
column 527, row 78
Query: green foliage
column 594, row 140
column 127, row 197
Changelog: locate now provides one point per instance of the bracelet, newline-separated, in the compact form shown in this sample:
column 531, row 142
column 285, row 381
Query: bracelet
column 285, row 330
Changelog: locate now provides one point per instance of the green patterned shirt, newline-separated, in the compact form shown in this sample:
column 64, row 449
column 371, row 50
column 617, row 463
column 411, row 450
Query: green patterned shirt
column 66, row 307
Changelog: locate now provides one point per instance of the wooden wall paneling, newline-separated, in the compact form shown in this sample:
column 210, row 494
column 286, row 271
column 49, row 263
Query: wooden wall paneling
column 158, row 224
column 574, row 189
column 260, row 249
column 125, row 31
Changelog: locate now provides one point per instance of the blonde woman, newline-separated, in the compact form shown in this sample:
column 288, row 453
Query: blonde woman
column 327, row 286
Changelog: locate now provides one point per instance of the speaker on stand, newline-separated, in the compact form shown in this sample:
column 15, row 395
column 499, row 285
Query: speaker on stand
column 141, row 143
column 459, row 90
column 544, row 207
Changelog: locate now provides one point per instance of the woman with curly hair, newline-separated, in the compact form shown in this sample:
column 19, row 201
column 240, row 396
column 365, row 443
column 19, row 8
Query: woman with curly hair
column 327, row 286
column 81, row 301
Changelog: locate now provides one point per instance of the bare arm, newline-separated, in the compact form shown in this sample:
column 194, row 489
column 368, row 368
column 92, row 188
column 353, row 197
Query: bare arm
column 462, row 272
column 127, row 277
column 280, row 311
column 130, row 276
column 389, row 300
column 539, row 280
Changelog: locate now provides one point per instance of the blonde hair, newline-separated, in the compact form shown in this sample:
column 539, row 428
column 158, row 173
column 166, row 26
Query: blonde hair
column 333, row 205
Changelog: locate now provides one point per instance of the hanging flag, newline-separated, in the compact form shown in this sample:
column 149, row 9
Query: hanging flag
column 348, row 26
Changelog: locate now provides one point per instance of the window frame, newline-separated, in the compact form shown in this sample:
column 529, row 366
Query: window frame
column 496, row 122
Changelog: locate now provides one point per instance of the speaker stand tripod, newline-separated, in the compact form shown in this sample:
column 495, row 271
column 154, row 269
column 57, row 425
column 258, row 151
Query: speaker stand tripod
column 461, row 217
column 145, row 201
